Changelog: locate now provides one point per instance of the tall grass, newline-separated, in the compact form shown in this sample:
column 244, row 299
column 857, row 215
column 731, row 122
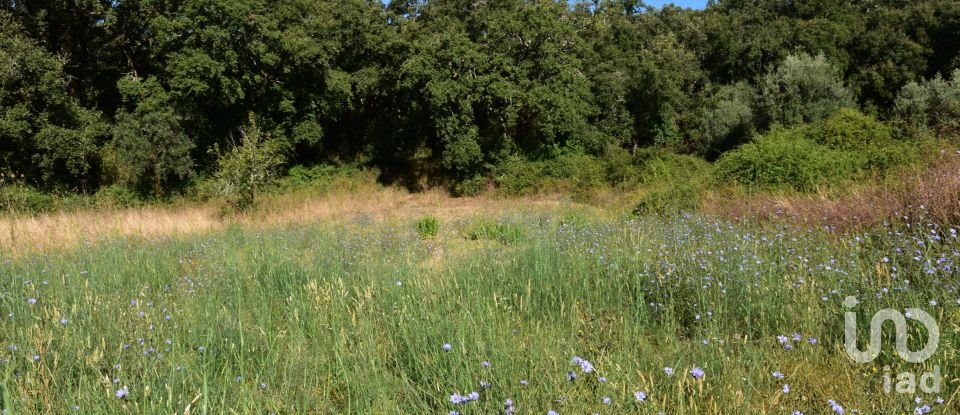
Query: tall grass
column 353, row 318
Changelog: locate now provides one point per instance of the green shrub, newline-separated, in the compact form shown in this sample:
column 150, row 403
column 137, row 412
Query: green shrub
column 726, row 120
column 660, row 167
column 500, row 231
column 428, row 227
column 472, row 186
column 930, row 107
column 519, row 177
column 619, row 167
column 244, row 171
column 802, row 89
column 667, row 199
column 25, row 199
column 849, row 129
column 116, row 196
column 787, row 159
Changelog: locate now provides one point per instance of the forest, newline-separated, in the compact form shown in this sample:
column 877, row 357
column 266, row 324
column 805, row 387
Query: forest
column 153, row 98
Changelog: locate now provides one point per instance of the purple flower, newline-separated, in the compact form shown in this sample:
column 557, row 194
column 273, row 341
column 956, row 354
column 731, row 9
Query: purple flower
column 484, row 384
column 31, row 301
column 778, row 375
column 524, row 383
column 585, row 365
column 64, row 321
column 447, row 347
column 606, row 400
column 553, row 413
column 263, row 386
column 697, row 373
column 786, row 388
column 122, row 392
column 571, row 376
column 668, row 371
column 485, row 363
column 640, row 396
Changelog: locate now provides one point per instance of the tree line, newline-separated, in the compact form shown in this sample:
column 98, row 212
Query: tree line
column 150, row 94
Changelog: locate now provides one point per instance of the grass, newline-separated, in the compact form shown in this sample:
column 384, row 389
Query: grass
column 351, row 317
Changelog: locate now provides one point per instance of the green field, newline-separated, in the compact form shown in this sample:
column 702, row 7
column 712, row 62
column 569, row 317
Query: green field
column 353, row 318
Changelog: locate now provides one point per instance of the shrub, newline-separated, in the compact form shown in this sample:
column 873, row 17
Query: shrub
column 428, row 227
column 25, row 199
column 519, row 177
column 247, row 168
column 472, row 186
column 500, row 231
column 116, row 196
column 802, row 89
column 727, row 120
column 787, row 159
column 930, row 107
column 660, row 167
column 670, row 199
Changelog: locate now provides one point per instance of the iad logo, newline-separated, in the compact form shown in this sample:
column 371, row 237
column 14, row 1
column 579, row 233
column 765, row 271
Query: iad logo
column 906, row 381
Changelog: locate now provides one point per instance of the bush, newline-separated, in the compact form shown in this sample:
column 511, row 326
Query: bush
column 116, row 196
column 727, row 120
column 500, row 231
column 428, row 227
column 670, row 199
column 660, row 167
column 787, row 159
column 472, row 186
column 850, row 129
column 519, row 177
column 24, row 199
column 803, row 89
column 930, row 107
column 247, row 168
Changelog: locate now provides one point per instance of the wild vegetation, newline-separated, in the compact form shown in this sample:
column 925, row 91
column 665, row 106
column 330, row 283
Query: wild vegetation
column 140, row 100
column 473, row 207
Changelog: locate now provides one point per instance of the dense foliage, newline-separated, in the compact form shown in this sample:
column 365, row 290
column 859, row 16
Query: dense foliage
column 137, row 93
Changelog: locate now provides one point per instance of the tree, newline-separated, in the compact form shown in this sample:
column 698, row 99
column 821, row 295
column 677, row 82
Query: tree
column 45, row 134
column 802, row 89
column 248, row 167
column 149, row 150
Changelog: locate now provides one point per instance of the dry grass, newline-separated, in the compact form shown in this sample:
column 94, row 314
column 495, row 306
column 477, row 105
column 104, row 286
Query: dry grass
column 932, row 195
column 32, row 234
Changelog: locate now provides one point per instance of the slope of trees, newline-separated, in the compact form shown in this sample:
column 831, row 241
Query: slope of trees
column 143, row 94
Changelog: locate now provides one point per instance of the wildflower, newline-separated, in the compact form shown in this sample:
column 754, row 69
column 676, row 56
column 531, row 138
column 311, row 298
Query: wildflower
column 697, row 373
column 201, row 349
column 601, row 379
column 668, row 371
column 473, row 396
column 571, row 376
column 812, row 341
column 606, row 400
column 836, row 408
column 485, row 363
column 553, row 413
column 31, row 301
column 508, row 408
column 64, row 321
column 36, row 358
column 122, row 392
column 585, row 365
column 447, row 347
column 640, row 396
column 484, row 384
column 524, row 383
column 778, row 375
column 263, row 386
column 786, row 388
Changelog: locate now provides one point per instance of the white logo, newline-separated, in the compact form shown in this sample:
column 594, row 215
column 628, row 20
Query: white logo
column 900, row 325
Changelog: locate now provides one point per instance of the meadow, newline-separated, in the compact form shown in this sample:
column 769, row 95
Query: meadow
column 524, row 311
